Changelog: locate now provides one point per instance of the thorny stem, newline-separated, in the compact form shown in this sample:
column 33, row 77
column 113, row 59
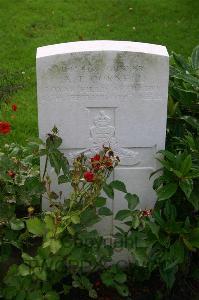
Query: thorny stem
column 45, row 167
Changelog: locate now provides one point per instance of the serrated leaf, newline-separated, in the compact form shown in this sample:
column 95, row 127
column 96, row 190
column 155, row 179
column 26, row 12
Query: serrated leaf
column 154, row 228
column 24, row 270
column 122, row 290
column 193, row 237
column 50, row 223
column 70, row 230
column 63, row 179
column 118, row 185
column 107, row 188
column 51, row 296
column 75, row 219
column 135, row 221
column 120, row 277
column 105, row 211
column 107, row 278
column 187, row 244
column 132, row 200
column 92, row 294
column 122, row 214
column 16, row 224
column 89, row 217
column 55, row 245
column 55, row 162
column 35, row 226
column 186, row 186
column 167, row 191
column 100, row 201
column 40, row 273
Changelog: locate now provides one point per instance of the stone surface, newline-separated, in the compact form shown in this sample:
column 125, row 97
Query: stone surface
column 101, row 92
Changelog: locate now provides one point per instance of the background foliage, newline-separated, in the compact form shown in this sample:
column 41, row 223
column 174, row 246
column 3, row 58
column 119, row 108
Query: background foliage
column 28, row 24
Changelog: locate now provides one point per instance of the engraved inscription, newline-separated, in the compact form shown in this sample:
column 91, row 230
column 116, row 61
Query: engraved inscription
column 103, row 132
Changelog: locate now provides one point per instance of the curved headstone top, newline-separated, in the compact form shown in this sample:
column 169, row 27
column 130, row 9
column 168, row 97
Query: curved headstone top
column 89, row 46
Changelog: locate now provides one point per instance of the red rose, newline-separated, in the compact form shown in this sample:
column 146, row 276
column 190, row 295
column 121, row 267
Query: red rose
column 95, row 161
column 147, row 212
column 14, row 107
column 11, row 173
column 5, row 127
column 88, row 176
column 95, row 158
column 108, row 162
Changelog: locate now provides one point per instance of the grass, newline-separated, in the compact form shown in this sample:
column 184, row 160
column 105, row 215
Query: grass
column 28, row 24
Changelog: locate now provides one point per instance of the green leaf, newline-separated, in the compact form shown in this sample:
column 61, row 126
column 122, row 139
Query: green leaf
column 120, row 277
column 177, row 252
column 50, row 223
column 16, row 224
column 107, row 278
column 89, row 217
column 35, row 295
column 122, row 290
column 140, row 255
column 71, row 230
column 21, row 295
column 107, row 188
column 100, row 201
column 186, row 165
column 194, row 199
column 123, row 214
column 188, row 245
column 118, row 185
column 167, row 191
column 92, row 294
column 63, row 179
column 169, row 276
column 154, row 228
column 195, row 58
column 105, row 211
column 55, row 162
column 24, row 270
column 180, row 62
column 132, row 200
column 55, row 245
column 34, row 186
column 75, row 219
column 193, row 237
column 52, row 296
column 169, row 155
column 186, row 186
column 135, row 221
column 191, row 121
column 35, row 226
column 53, row 142
column 40, row 273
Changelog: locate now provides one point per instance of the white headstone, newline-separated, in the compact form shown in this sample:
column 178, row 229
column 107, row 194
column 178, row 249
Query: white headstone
column 99, row 92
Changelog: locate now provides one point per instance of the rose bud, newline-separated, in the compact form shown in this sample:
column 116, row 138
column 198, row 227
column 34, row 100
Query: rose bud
column 89, row 176
column 5, row 127
column 14, row 107
column 11, row 173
